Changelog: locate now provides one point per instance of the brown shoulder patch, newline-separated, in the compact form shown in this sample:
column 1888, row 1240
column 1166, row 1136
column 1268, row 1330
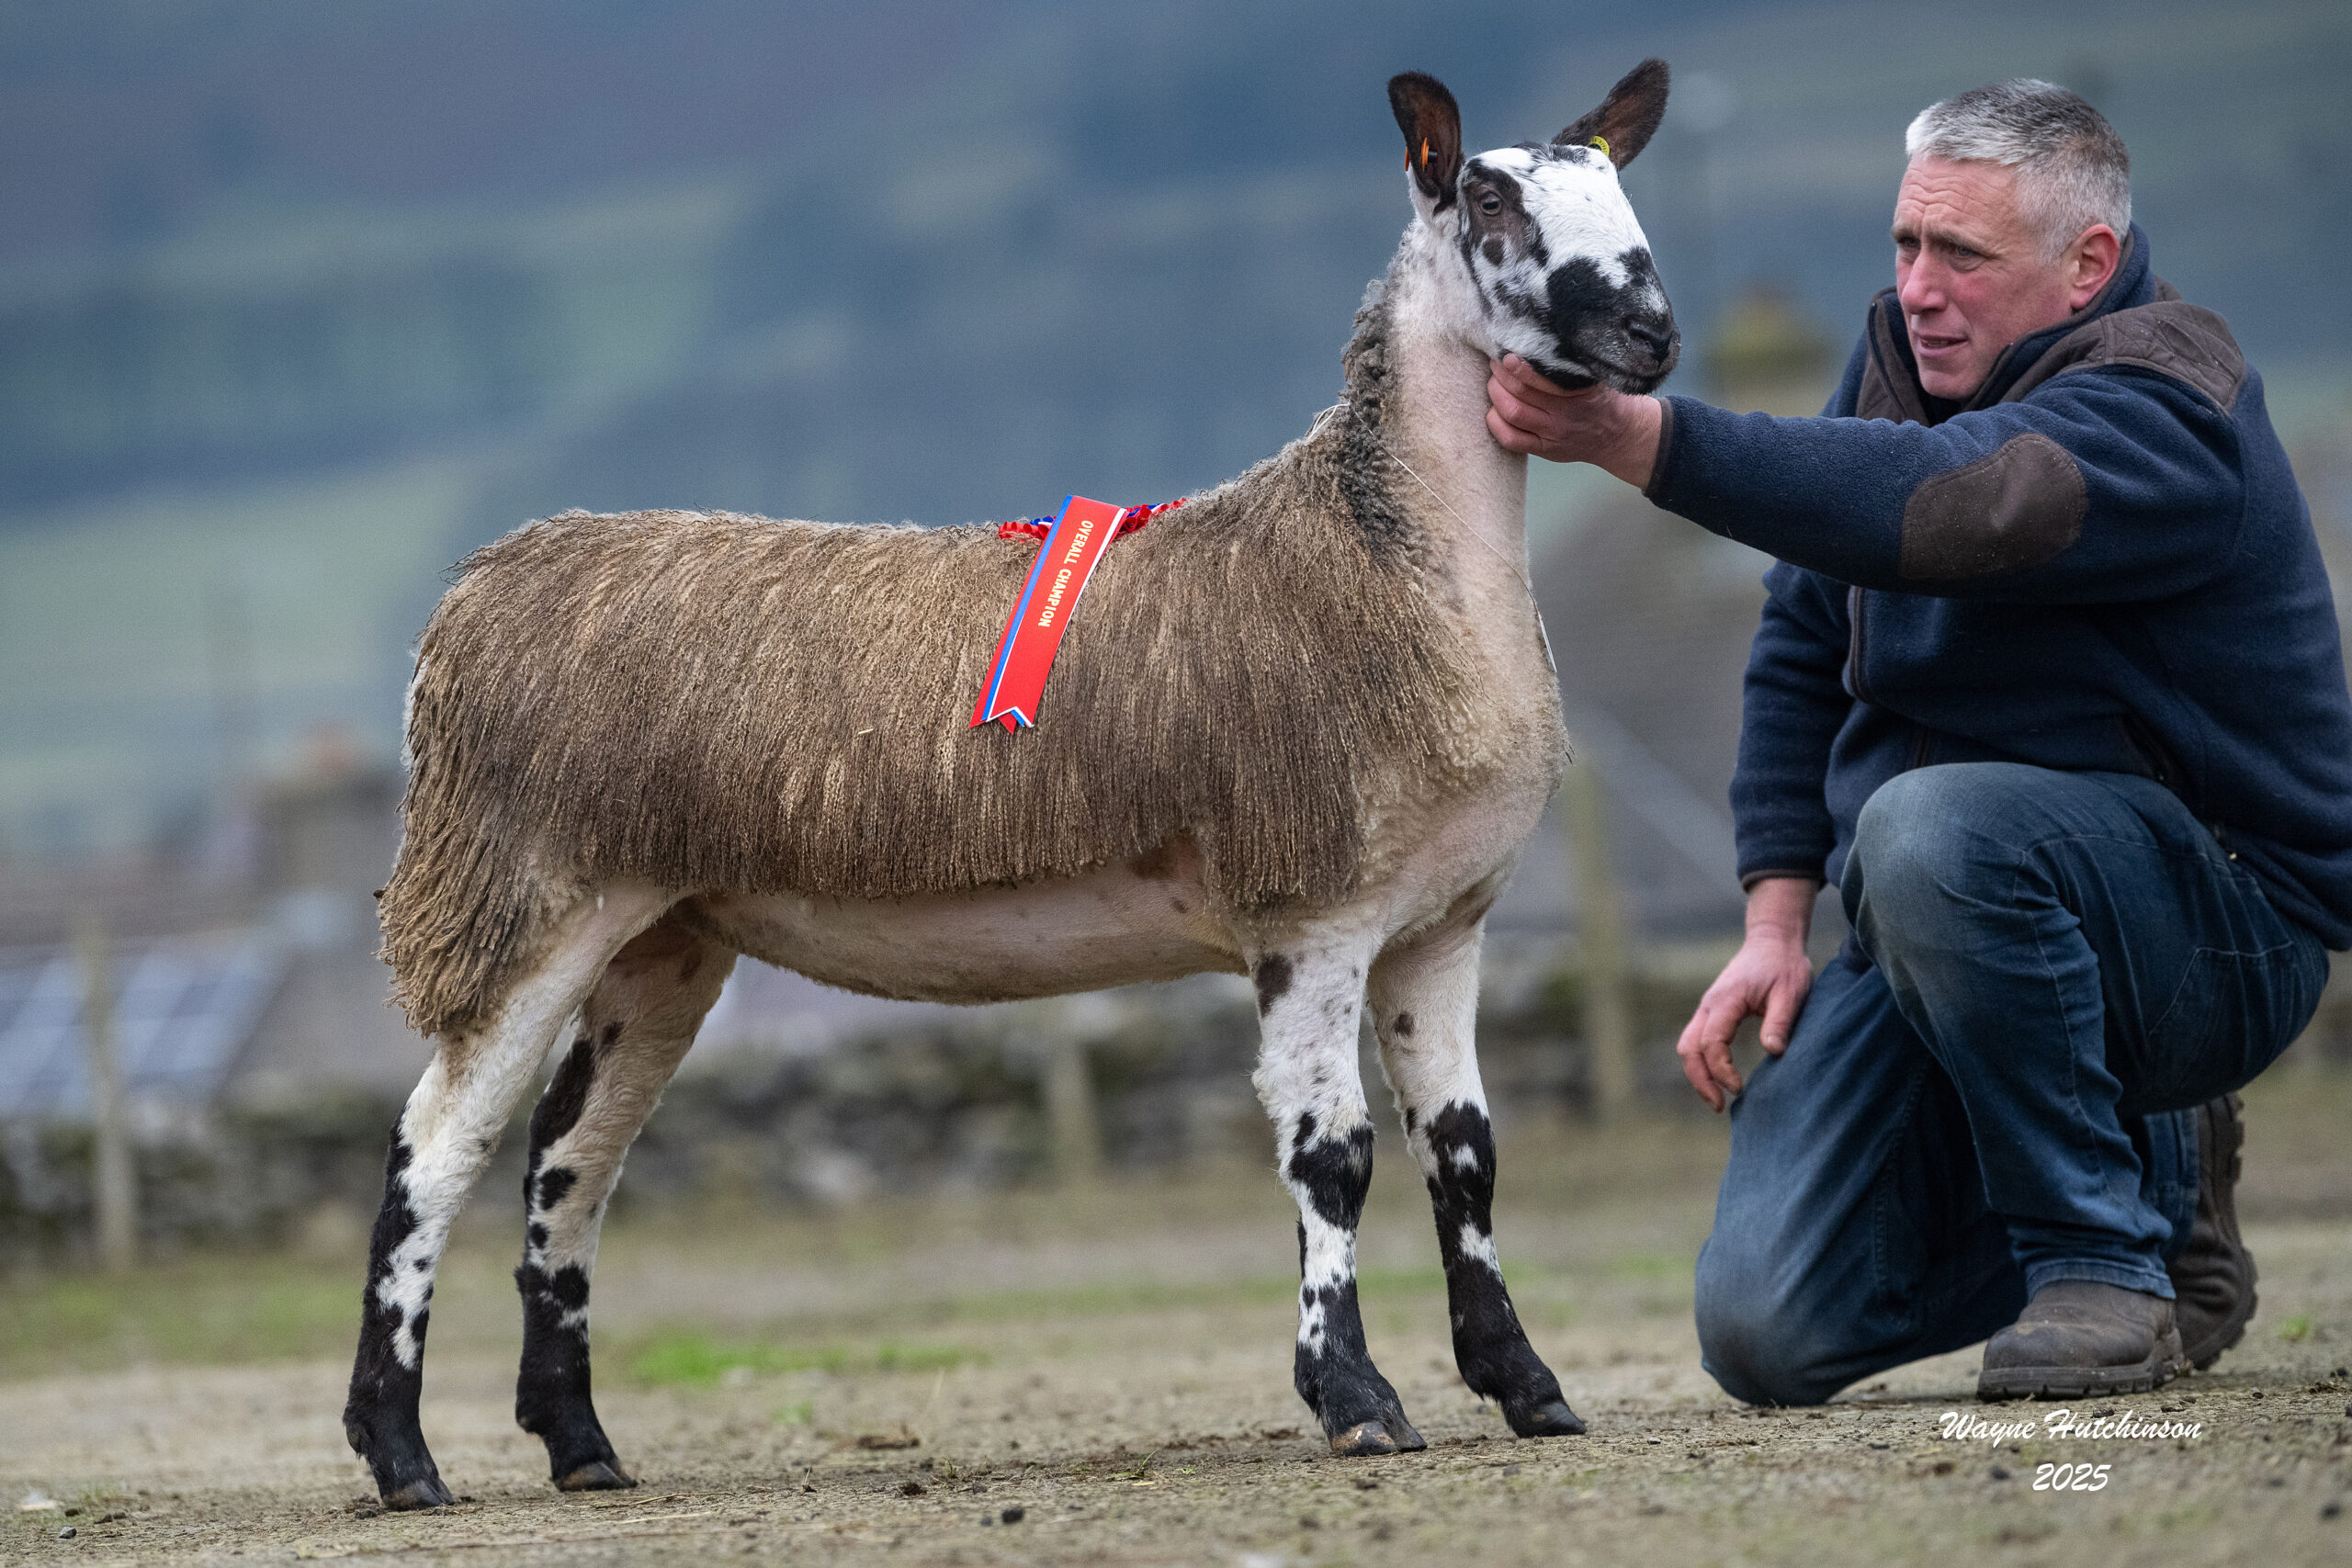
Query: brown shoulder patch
column 2173, row 338
column 2016, row 507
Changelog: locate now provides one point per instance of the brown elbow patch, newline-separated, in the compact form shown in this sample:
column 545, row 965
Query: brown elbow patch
column 2017, row 507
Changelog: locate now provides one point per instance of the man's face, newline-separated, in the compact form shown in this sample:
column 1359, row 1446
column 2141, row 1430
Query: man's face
column 1969, row 274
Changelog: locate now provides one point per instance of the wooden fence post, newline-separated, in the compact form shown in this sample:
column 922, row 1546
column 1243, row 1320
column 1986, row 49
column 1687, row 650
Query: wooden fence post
column 116, row 1183
column 1600, row 938
column 1070, row 1105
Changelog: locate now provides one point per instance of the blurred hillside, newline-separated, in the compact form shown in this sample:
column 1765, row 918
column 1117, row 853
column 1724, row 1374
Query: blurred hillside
column 298, row 302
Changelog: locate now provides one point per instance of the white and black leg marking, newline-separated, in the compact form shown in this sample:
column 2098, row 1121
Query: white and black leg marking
column 1309, row 1005
column 447, row 1131
column 1425, row 1005
column 635, row 1030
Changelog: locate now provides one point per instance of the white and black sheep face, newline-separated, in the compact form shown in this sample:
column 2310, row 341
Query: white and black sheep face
column 1546, row 240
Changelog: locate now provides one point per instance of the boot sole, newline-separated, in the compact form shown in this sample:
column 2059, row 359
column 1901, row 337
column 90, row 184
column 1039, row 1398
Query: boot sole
column 1995, row 1385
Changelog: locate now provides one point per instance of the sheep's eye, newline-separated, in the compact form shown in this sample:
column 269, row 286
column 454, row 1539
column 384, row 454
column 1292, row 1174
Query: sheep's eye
column 1491, row 204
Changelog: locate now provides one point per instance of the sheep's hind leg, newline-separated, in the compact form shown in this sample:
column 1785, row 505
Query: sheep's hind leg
column 1425, row 1005
column 1306, row 1078
column 447, row 1131
column 635, row 1030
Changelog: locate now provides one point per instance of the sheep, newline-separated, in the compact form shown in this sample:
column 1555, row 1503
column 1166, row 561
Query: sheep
column 1301, row 730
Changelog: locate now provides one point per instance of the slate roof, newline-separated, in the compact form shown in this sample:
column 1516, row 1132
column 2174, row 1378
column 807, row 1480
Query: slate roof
column 184, row 1008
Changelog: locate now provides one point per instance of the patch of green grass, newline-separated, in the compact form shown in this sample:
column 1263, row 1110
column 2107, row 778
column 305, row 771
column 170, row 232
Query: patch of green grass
column 1551, row 1314
column 2196, row 1515
column 1396, row 1281
column 2296, row 1329
column 1113, row 1298
column 257, row 1307
column 695, row 1359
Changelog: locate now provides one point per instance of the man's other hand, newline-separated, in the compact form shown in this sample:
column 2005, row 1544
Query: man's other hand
column 1770, row 976
column 1610, row 430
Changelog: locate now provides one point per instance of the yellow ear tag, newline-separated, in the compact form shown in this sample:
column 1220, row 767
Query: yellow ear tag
column 1425, row 152
column 1601, row 142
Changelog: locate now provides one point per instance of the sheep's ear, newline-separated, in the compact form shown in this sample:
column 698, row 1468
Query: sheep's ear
column 1432, row 127
column 1626, row 119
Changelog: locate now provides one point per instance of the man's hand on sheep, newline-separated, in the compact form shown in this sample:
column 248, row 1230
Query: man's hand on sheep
column 1595, row 424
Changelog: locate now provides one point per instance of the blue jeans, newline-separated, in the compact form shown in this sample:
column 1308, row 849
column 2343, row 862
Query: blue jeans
column 2059, row 968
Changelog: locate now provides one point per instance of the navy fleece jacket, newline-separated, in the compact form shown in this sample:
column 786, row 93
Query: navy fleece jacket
column 2100, row 561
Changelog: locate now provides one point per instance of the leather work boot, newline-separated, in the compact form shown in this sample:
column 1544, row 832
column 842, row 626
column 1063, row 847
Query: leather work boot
column 2077, row 1337
column 2213, row 1280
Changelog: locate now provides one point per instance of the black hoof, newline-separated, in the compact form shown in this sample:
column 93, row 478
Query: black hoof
column 1367, row 1440
column 1553, row 1420
column 1362, row 1440
column 423, row 1493
column 596, row 1476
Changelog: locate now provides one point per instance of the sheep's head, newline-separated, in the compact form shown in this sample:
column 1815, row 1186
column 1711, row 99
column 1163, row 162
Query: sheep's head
column 1545, row 237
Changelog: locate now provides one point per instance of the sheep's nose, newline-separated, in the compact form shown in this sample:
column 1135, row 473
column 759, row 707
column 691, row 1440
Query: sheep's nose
column 1651, row 334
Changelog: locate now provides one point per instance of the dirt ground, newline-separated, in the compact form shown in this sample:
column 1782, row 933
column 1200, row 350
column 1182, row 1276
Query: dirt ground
column 1104, row 1378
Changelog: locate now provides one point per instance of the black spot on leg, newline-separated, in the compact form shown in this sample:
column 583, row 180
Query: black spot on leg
column 396, row 1157
column 1273, row 980
column 555, row 1186
column 1335, row 1172
column 1405, row 1025
column 612, row 1032
column 559, row 1110
column 570, row 1288
column 1462, row 1189
column 557, row 1113
column 536, row 1234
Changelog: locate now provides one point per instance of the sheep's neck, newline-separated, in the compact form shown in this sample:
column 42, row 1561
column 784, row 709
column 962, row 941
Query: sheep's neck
column 1468, row 493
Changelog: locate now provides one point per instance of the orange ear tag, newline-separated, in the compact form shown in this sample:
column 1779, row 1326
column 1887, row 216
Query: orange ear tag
column 1425, row 152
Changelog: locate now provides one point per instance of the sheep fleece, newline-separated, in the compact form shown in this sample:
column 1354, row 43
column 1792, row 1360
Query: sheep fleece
column 723, row 702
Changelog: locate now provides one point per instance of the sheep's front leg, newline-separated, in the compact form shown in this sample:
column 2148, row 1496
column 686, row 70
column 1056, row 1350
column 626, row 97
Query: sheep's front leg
column 634, row 1032
column 1309, row 1004
column 1425, row 1007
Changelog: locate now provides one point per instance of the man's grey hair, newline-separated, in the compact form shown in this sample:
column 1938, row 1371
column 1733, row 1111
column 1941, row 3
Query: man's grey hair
column 2071, row 169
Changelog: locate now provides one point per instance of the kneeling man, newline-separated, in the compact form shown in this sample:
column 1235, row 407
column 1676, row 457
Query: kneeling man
column 2049, row 686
